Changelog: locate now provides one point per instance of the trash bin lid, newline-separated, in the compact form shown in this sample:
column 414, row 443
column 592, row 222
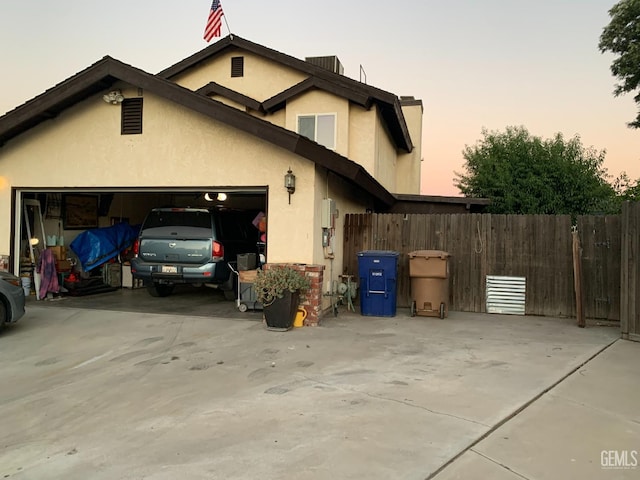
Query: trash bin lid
column 378, row 253
column 429, row 254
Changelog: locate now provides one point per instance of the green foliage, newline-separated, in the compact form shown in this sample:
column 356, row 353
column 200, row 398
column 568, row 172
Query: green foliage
column 524, row 174
column 622, row 38
column 625, row 190
column 271, row 283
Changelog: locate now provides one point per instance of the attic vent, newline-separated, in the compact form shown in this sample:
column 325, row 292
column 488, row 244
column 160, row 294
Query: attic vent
column 131, row 116
column 329, row 63
column 237, row 66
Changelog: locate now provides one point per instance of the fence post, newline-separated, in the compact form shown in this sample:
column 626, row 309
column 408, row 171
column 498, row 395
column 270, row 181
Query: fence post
column 577, row 277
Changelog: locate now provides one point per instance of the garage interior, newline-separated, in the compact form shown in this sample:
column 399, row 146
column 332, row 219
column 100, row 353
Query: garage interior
column 53, row 219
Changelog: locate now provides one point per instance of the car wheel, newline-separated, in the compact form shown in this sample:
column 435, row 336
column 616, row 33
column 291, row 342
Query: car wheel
column 3, row 314
column 159, row 290
column 230, row 288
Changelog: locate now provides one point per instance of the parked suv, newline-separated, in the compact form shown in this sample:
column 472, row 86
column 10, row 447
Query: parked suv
column 193, row 246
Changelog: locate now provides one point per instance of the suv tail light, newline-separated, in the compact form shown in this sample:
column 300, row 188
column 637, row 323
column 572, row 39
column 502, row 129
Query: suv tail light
column 136, row 247
column 217, row 250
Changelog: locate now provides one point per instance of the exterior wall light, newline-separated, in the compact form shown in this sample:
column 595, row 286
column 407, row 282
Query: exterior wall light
column 290, row 183
column 114, row 97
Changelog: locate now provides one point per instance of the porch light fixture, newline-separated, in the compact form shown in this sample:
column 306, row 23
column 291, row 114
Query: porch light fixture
column 290, row 183
column 114, row 97
column 221, row 197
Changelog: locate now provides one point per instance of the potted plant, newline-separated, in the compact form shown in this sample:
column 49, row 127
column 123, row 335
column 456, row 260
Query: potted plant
column 278, row 289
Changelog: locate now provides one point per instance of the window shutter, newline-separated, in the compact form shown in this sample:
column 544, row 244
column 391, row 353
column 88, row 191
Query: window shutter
column 237, row 66
column 131, row 116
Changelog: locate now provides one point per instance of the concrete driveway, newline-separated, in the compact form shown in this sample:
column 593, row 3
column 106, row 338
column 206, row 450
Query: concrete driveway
column 96, row 394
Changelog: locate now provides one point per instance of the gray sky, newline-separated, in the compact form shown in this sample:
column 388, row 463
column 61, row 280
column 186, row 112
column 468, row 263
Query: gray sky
column 473, row 63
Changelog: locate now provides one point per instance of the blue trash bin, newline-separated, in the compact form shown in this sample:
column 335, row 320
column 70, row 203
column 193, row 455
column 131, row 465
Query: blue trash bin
column 378, row 271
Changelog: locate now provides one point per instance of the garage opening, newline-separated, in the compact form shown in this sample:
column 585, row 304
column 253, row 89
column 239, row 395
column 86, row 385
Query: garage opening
column 57, row 220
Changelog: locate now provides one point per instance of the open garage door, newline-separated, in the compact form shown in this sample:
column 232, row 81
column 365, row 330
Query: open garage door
column 70, row 214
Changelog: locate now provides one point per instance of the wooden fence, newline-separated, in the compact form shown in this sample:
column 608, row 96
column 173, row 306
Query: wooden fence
column 630, row 278
column 537, row 247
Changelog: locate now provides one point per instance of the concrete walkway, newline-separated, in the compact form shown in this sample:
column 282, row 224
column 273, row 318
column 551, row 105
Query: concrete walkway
column 586, row 427
column 114, row 395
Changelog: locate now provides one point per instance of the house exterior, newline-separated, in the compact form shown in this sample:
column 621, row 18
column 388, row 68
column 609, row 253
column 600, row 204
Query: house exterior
column 235, row 117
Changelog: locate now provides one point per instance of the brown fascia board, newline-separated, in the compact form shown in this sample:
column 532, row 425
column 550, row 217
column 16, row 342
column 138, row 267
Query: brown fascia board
column 214, row 88
column 279, row 101
column 411, row 102
column 50, row 103
column 441, row 199
column 391, row 110
column 108, row 70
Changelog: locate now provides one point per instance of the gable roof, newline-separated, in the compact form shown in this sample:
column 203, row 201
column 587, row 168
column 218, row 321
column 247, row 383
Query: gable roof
column 104, row 73
column 361, row 93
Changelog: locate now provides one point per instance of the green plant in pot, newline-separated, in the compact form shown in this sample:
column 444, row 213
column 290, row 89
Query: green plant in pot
column 278, row 289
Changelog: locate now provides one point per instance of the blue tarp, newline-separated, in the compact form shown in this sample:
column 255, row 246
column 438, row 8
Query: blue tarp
column 99, row 245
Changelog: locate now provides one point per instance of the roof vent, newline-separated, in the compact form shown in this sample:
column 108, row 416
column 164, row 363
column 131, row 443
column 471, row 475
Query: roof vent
column 329, row 63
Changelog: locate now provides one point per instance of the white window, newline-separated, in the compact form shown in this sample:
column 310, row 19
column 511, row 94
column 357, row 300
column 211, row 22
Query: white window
column 319, row 128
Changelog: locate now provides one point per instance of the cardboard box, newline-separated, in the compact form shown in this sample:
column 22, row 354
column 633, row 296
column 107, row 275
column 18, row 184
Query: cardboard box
column 59, row 251
column 112, row 274
column 127, row 278
column 247, row 276
column 63, row 266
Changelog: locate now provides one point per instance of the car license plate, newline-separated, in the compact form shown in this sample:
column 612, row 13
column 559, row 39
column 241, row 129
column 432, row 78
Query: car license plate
column 169, row 269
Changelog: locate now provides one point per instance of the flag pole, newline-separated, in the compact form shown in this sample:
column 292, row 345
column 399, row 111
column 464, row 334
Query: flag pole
column 224, row 17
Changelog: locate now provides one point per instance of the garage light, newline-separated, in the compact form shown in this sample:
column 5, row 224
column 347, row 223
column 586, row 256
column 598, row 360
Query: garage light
column 115, row 97
column 221, row 197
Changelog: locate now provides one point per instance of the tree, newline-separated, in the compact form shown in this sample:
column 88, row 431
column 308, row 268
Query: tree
column 524, row 174
column 622, row 38
column 626, row 190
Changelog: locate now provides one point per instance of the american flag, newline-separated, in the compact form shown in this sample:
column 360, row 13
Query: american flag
column 214, row 22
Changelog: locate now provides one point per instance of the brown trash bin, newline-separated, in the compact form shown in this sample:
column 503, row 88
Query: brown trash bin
column 429, row 273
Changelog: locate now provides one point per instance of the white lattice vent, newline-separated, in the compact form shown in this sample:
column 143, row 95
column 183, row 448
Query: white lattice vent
column 506, row 295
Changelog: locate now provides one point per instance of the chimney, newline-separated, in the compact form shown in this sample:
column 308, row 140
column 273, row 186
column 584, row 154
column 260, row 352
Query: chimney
column 330, row 63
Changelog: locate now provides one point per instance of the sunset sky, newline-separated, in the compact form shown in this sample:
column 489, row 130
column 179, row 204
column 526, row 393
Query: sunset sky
column 474, row 63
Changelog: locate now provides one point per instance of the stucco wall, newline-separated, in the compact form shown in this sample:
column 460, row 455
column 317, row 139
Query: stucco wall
column 347, row 200
column 319, row 102
column 262, row 78
column 385, row 157
column 83, row 147
column 362, row 134
column 410, row 164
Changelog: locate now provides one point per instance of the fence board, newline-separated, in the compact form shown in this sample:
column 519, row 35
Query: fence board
column 630, row 274
column 600, row 238
column 537, row 247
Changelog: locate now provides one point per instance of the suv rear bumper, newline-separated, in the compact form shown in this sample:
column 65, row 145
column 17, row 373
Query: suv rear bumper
column 153, row 272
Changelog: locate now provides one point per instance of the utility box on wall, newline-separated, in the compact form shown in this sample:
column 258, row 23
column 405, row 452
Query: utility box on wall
column 328, row 214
